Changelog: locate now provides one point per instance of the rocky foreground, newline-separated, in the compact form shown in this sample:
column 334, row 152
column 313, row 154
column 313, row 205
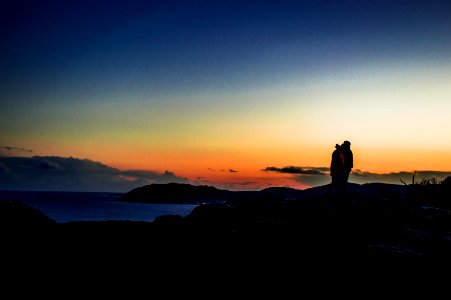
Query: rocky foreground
column 254, row 234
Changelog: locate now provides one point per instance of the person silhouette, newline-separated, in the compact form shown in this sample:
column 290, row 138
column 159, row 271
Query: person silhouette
column 348, row 163
column 336, row 170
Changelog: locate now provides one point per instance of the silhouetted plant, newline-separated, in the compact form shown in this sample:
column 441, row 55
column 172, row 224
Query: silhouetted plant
column 428, row 181
column 413, row 179
column 425, row 181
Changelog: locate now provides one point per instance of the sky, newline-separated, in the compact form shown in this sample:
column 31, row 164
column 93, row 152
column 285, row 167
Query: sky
column 112, row 95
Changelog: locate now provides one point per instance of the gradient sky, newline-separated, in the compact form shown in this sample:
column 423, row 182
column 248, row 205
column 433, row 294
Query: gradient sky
column 215, row 92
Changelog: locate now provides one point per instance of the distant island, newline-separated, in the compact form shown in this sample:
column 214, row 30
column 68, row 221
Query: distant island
column 175, row 193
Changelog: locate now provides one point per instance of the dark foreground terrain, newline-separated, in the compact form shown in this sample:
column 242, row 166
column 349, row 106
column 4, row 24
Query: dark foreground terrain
column 259, row 235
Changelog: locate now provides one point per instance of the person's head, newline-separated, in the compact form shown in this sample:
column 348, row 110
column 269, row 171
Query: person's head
column 337, row 146
column 346, row 144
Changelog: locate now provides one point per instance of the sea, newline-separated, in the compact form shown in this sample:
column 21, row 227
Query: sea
column 93, row 206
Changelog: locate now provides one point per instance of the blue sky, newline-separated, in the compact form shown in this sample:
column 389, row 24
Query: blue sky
column 183, row 46
column 191, row 86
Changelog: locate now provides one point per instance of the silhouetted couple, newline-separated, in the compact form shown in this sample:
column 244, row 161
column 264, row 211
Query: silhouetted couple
column 340, row 167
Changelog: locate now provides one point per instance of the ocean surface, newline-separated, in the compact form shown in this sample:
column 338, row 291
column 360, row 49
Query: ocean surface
column 85, row 206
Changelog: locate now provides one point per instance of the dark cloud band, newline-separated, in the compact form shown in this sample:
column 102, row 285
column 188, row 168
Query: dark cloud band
column 297, row 170
column 73, row 174
column 15, row 149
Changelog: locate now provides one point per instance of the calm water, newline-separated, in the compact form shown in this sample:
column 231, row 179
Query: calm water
column 77, row 206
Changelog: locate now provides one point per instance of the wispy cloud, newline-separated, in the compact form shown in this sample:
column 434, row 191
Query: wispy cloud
column 297, row 170
column 223, row 170
column 73, row 174
column 15, row 149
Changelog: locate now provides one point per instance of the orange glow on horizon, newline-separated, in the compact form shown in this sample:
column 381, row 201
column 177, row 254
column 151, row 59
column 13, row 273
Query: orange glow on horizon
column 217, row 166
column 123, row 156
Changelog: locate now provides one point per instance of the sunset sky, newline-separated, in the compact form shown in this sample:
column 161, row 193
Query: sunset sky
column 215, row 92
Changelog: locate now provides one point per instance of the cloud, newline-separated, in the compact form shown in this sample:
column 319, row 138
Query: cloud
column 155, row 177
column 73, row 174
column 200, row 181
column 15, row 149
column 360, row 173
column 297, row 170
column 307, row 176
column 222, row 170
column 311, row 180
